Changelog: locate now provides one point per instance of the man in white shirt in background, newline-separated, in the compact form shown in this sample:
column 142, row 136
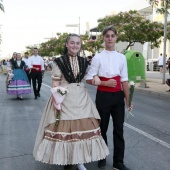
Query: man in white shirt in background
column 36, row 64
column 111, row 67
column 27, row 70
column 160, row 63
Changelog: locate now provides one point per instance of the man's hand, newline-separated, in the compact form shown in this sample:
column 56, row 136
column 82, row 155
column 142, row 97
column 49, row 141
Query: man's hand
column 111, row 83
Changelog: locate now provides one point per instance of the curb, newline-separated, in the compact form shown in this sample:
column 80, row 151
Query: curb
column 153, row 93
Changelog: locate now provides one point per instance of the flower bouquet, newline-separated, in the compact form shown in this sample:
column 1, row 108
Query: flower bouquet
column 131, row 91
column 9, row 76
column 58, row 94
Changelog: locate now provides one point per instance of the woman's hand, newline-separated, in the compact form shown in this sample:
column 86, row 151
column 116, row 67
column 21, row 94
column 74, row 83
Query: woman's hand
column 96, row 81
column 54, row 84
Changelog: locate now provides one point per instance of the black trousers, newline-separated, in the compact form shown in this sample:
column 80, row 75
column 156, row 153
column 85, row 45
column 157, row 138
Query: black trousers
column 29, row 76
column 36, row 79
column 112, row 103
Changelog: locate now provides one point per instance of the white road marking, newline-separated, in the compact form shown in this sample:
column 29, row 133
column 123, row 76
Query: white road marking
column 148, row 136
column 46, row 85
column 161, row 142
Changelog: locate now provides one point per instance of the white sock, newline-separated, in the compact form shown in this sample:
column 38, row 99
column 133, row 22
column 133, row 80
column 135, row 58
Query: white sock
column 81, row 167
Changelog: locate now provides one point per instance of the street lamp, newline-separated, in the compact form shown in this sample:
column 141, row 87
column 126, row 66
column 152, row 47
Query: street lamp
column 74, row 25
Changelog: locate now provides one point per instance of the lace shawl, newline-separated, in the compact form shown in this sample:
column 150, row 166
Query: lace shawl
column 64, row 65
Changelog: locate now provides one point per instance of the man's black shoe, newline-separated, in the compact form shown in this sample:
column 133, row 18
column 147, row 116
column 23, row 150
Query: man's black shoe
column 38, row 94
column 119, row 166
column 102, row 163
column 35, row 98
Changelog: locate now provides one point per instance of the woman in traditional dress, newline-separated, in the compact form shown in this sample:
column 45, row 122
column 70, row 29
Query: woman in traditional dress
column 4, row 67
column 77, row 138
column 19, row 84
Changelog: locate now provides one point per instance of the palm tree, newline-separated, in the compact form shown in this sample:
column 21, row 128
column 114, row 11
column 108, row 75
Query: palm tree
column 1, row 7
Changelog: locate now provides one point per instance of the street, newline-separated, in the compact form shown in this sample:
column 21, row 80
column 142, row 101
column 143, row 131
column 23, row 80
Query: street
column 147, row 134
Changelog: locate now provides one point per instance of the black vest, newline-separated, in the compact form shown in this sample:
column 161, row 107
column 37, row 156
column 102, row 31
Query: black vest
column 15, row 65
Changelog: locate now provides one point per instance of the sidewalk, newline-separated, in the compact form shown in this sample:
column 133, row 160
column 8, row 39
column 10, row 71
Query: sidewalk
column 155, row 85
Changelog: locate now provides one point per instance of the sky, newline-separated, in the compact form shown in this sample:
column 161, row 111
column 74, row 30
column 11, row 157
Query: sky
column 32, row 22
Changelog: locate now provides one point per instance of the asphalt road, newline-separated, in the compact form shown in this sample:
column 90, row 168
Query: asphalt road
column 147, row 134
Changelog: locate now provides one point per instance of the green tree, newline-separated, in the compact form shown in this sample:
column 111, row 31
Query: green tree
column 132, row 28
column 164, row 5
column 162, row 9
column 55, row 46
column 1, row 6
column 90, row 44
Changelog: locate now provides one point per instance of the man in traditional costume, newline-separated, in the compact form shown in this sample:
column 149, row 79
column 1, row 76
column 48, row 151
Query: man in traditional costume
column 36, row 64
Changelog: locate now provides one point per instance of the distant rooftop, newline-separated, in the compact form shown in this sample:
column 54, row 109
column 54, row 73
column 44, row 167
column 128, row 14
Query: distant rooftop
column 146, row 11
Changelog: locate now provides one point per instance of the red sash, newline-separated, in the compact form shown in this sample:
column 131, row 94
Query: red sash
column 36, row 66
column 110, row 89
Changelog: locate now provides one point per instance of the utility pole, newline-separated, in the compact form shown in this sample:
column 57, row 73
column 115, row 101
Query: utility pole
column 165, row 39
column 79, row 25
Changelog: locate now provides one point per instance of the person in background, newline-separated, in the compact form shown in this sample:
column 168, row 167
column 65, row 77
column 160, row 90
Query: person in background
column 0, row 66
column 160, row 63
column 89, row 58
column 14, row 56
column 168, row 63
column 27, row 70
column 79, row 120
column 168, row 83
column 4, row 67
column 36, row 64
column 113, row 88
column 8, row 63
column 19, row 84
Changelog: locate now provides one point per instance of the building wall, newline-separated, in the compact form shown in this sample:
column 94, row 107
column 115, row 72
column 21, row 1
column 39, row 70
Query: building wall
column 121, row 46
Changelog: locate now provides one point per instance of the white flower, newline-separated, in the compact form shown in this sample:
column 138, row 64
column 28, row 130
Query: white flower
column 132, row 83
column 59, row 95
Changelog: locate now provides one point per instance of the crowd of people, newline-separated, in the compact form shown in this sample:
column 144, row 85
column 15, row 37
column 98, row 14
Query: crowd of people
column 22, row 72
column 80, row 136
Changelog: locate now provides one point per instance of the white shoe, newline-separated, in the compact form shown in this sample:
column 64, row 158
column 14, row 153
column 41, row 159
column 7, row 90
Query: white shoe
column 81, row 167
column 21, row 98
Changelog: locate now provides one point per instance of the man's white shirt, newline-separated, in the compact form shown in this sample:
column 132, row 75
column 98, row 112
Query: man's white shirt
column 108, row 64
column 36, row 60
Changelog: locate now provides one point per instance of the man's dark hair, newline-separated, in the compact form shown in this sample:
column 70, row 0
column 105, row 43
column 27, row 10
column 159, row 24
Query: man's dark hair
column 90, row 57
column 35, row 48
column 26, row 53
column 109, row 28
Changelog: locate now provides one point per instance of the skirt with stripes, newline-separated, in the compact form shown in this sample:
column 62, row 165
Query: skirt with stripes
column 77, row 138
